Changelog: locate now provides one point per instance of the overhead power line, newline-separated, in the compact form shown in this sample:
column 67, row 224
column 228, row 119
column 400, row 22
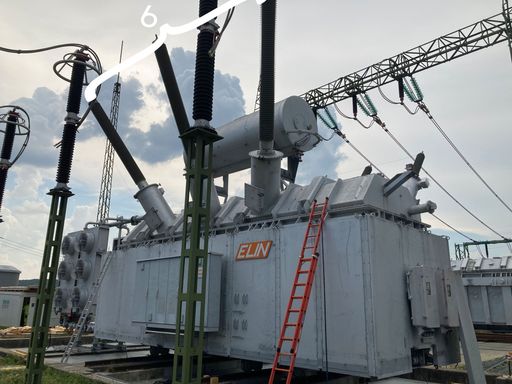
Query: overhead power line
column 442, row 187
column 415, row 94
column 477, row 174
column 373, row 114
column 332, row 124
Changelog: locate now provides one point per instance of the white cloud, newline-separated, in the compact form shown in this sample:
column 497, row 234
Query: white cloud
column 469, row 97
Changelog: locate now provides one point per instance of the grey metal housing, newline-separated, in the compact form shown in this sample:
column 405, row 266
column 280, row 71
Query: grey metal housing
column 488, row 283
column 374, row 262
column 82, row 256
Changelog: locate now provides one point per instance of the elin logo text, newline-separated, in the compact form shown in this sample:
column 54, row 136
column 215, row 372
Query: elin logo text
column 254, row 250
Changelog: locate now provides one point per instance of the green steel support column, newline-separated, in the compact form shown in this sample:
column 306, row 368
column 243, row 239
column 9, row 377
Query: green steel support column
column 47, row 280
column 188, row 353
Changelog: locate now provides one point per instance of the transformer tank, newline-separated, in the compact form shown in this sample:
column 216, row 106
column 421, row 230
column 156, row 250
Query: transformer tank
column 381, row 301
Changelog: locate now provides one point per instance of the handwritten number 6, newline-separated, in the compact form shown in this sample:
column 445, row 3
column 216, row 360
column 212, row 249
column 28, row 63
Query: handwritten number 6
column 148, row 15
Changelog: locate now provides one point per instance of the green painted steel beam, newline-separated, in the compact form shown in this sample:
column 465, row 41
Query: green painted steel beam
column 46, row 289
column 189, row 342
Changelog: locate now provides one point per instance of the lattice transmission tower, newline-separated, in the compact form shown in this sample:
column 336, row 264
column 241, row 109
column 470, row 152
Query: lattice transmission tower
column 108, row 160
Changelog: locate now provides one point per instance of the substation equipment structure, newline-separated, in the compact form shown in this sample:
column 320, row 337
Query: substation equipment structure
column 14, row 122
column 81, row 61
column 217, row 277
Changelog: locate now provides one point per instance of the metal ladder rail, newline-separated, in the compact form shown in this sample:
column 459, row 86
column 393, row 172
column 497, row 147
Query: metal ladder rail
column 297, row 324
column 77, row 333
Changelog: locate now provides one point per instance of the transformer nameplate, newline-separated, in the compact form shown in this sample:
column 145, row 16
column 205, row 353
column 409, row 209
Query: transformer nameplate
column 254, row 250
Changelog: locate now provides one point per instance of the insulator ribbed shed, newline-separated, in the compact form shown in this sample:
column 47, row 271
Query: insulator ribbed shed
column 267, row 95
column 205, row 67
column 10, row 132
column 69, row 133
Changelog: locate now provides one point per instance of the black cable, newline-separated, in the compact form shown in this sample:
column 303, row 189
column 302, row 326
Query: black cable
column 338, row 132
column 452, row 144
column 452, row 228
column 362, row 155
column 344, row 138
column 421, row 105
column 354, row 118
column 443, row 188
column 57, row 46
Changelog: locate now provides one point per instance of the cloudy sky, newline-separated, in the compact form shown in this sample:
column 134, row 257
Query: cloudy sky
column 318, row 41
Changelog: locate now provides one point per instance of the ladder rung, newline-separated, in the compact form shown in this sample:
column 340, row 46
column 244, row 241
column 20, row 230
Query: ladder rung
column 294, row 310
column 300, row 284
column 282, row 369
column 287, row 339
column 306, row 259
column 300, row 272
column 286, row 354
column 291, row 324
column 297, row 297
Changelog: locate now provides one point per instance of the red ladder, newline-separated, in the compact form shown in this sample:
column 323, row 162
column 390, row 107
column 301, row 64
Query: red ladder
column 284, row 361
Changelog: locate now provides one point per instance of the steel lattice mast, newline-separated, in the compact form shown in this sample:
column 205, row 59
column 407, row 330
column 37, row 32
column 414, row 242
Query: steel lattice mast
column 483, row 34
column 108, row 160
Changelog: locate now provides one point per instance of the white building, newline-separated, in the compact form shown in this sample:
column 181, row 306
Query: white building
column 9, row 276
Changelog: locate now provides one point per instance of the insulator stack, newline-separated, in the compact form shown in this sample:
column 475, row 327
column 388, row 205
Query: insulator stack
column 370, row 105
column 73, row 108
column 324, row 120
column 330, row 116
column 3, row 179
column 5, row 156
column 354, row 105
column 267, row 93
column 417, row 89
column 10, row 132
column 409, row 94
column 401, row 89
column 205, row 66
column 413, row 93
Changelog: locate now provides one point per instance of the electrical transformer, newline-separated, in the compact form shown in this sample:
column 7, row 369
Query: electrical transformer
column 382, row 298
column 488, row 284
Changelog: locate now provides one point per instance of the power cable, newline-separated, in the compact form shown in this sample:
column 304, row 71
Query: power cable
column 398, row 102
column 380, row 123
column 21, row 245
column 32, row 253
column 415, row 94
column 82, row 47
column 229, row 16
column 334, row 127
column 383, row 126
column 452, row 228
column 452, row 144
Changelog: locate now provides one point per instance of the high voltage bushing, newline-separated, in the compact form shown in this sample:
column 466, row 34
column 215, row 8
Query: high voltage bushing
column 71, row 125
column 205, row 66
column 16, row 124
column 267, row 89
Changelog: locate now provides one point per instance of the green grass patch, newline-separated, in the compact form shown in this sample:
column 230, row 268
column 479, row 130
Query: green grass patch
column 12, row 371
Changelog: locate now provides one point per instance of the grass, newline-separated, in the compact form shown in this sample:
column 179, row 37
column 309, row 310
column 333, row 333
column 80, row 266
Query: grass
column 12, row 371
